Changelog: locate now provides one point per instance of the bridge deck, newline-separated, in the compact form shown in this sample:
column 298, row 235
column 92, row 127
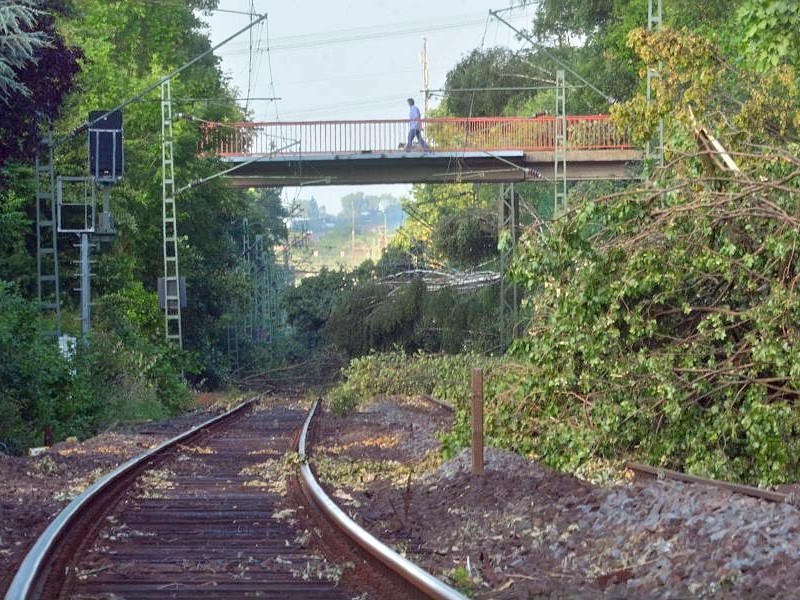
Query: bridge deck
column 417, row 167
column 491, row 149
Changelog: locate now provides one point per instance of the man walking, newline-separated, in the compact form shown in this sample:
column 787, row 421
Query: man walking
column 415, row 127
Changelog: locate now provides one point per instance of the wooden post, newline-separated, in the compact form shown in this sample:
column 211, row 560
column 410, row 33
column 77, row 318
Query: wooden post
column 48, row 435
column 477, row 421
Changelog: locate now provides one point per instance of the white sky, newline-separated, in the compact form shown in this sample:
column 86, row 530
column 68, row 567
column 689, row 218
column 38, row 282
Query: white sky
column 355, row 59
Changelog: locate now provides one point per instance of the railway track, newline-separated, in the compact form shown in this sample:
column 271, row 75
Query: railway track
column 208, row 514
column 646, row 471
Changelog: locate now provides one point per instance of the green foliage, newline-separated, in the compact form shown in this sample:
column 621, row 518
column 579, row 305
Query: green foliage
column 437, row 211
column 394, row 260
column 13, row 225
column 467, row 238
column 769, row 33
column 461, row 321
column 683, row 296
column 35, row 378
column 375, row 315
column 446, row 378
column 37, row 71
column 308, row 305
column 469, row 83
column 462, row 580
column 348, row 326
column 115, row 375
column 130, row 312
column 132, row 380
column 561, row 20
column 372, row 315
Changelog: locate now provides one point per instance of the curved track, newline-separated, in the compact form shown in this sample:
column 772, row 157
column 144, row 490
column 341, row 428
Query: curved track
column 397, row 567
column 202, row 516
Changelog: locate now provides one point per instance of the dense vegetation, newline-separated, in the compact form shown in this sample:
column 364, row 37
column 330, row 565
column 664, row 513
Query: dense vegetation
column 60, row 61
column 660, row 317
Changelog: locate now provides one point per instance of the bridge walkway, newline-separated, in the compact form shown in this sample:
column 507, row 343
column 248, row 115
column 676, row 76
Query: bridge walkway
column 491, row 149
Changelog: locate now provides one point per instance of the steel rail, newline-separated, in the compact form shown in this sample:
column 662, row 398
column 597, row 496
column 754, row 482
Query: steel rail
column 748, row 490
column 413, row 574
column 34, row 563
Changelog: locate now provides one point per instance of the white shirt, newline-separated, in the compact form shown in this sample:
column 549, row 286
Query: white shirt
column 414, row 117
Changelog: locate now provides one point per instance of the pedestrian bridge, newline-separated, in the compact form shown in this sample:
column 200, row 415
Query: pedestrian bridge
column 489, row 149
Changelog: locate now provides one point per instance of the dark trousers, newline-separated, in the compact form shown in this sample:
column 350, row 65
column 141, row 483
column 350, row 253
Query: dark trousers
column 415, row 133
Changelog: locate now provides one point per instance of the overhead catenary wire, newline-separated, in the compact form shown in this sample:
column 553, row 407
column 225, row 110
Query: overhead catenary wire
column 330, row 37
column 359, row 34
column 164, row 79
column 271, row 76
column 442, row 92
column 547, row 53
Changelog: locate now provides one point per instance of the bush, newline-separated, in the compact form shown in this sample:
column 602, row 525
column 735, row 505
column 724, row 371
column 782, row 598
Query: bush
column 115, row 375
column 36, row 383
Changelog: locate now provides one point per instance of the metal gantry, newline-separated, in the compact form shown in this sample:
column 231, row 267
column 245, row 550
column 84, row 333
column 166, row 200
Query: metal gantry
column 654, row 19
column 47, row 276
column 172, row 292
column 77, row 215
column 247, row 254
column 260, row 321
column 560, row 145
column 264, row 275
column 509, row 234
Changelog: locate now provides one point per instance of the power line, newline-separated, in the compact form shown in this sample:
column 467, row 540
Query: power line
column 555, row 59
column 181, row 4
column 358, row 34
column 164, row 79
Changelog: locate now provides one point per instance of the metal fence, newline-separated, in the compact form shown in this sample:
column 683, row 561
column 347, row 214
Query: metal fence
column 588, row 132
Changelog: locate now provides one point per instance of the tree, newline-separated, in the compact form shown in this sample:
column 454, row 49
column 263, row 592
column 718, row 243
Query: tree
column 770, row 34
column 372, row 316
column 128, row 50
column 308, row 305
column 481, row 84
column 567, row 22
column 467, row 238
column 19, row 43
column 682, row 289
column 37, row 71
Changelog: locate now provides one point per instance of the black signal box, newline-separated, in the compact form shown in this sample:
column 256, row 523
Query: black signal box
column 105, row 146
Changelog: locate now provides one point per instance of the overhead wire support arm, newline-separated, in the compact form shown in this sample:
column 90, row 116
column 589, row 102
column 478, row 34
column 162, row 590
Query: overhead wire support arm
column 226, row 171
column 544, row 49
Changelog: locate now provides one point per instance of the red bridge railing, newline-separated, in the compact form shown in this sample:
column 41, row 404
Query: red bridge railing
column 592, row 132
